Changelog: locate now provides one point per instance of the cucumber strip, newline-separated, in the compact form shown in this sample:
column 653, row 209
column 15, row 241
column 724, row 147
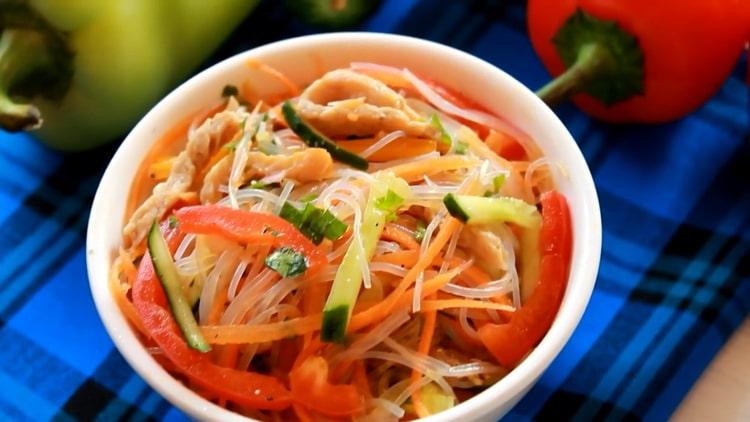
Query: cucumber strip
column 166, row 272
column 348, row 280
column 477, row 210
column 316, row 139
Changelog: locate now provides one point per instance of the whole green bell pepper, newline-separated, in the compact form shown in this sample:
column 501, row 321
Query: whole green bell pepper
column 90, row 68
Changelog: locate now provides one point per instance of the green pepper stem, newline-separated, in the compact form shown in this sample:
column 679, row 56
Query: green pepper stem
column 23, row 54
column 591, row 61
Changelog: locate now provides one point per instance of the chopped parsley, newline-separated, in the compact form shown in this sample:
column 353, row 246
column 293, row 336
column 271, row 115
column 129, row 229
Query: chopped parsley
column 287, row 262
column 445, row 138
column 498, row 182
column 461, row 148
column 389, row 203
column 173, row 223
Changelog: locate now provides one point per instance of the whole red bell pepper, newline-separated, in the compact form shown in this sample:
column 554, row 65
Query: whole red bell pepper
column 245, row 388
column 510, row 342
column 637, row 60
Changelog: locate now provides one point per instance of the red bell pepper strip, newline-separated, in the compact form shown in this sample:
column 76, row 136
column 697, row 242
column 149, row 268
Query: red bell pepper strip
column 311, row 388
column 637, row 60
column 510, row 342
column 245, row 388
column 462, row 101
column 249, row 227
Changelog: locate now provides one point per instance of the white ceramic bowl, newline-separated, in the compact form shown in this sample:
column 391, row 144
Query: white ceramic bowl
column 303, row 60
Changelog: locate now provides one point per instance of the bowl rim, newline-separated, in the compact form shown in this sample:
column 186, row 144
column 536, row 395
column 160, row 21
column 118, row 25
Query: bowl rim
column 513, row 385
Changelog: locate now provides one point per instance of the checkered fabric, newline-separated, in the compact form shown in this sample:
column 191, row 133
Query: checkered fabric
column 674, row 280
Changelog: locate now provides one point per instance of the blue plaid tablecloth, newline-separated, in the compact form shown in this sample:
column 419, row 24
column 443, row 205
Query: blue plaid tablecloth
column 674, row 280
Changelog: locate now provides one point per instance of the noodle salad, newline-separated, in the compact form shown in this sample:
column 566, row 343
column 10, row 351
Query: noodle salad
column 372, row 247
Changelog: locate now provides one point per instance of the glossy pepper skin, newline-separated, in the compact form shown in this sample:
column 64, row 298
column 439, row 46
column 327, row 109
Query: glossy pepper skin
column 689, row 48
column 125, row 54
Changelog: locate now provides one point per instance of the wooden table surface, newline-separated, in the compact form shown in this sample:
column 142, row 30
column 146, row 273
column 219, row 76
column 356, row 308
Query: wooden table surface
column 723, row 391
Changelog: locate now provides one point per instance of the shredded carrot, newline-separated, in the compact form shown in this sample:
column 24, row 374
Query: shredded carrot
column 293, row 89
column 400, row 148
column 314, row 296
column 160, row 169
column 120, row 296
column 474, row 274
column 254, row 334
column 425, row 342
column 392, row 232
column 127, row 266
column 405, row 258
column 360, row 377
column 440, row 304
column 447, row 228
column 398, row 301
column 259, row 262
column 417, row 170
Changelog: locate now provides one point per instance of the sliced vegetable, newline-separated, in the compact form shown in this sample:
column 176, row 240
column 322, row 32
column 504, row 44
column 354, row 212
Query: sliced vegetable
column 435, row 399
column 311, row 388
column 381, row 202
column 505, row 146
column 445, row 137
column 510, row 342
column 248, row 227
column 316, row 139
column 170, row 281
column 389, row 204
column 400, row 148
column 480, row 210
column 287, row 262
column 242, row 387
column 313, row 222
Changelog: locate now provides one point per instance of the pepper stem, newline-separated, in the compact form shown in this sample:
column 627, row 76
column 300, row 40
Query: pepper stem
column 24, row 55
column 592, row 60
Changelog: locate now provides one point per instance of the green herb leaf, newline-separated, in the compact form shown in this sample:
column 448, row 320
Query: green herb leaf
column 419, row 231
column 445, row 137
column 313, row 222
column 229, row 91
column 461, row 148
column 173, row 223
column 390, row 202
column 498, row 182
column 287, row 262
